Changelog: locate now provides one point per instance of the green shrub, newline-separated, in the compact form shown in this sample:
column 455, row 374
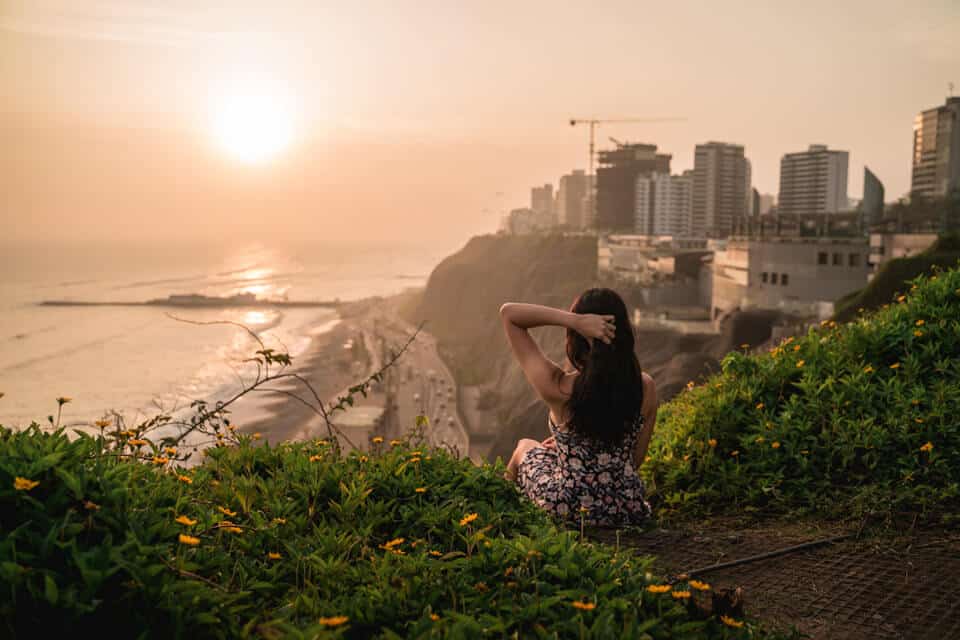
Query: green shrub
column 848, row 420
column 301, row 540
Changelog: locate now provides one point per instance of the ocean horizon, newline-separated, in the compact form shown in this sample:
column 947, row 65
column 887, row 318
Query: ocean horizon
column 139, row 360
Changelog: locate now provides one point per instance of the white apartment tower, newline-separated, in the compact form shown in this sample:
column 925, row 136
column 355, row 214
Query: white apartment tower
column 813, row 181
column 721, row 188
column 663, row 204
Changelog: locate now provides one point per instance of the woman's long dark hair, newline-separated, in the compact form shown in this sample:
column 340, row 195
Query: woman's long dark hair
column 608, row 393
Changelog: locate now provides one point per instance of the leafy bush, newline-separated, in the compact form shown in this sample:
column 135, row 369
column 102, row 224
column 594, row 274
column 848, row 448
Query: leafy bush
column 302, row 540
column 848, row 420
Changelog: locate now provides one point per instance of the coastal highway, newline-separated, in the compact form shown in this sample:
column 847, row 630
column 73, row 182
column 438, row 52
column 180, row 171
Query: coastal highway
column 419, row 383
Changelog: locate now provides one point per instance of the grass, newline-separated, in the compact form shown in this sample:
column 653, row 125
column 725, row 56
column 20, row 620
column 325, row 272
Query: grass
column 851, row 420
column 301, row 540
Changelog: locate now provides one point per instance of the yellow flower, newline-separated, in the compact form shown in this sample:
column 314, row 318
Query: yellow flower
column 775, row 445
column 680, row 595
column 395, row 443
column 686, row 457
column 64, row 400
column 280, row 521
column 730, row 622
column 434, row 617
column 467, row 519
column 712, row 442
column 185, row 479
column 323, row 443
column 690, row 385
column 745, row 346
column 377, row 440
column 918, row 333
column 481, row 587
column 103, row 424
column 185, row 521
column 435, row 553
column 901, row 298
column 89, row 505
column 699, row 586
column 159, row 460
column 226, row 511
column 415, row 453
column 804, row 452
column 583, row 606
column 735, row 453
column 658, row 588
column 363, row 458
column 274, row 556
column 796, row 347
column 128, row 433
column 914, row 402
column 393, row 543
column 895, row 365
column 24, row 484
column 920, row 323
column 137, row 443
column 918, row 420
column 927, row 447
column 232, row 528
column 257, row 436
column 189, row 540
column 334, row 621
column 421, row 489
column 416, row 459
column 868, row 369
column 316, row 458
column 759, row 439
column 760, row 406
column 800, row 364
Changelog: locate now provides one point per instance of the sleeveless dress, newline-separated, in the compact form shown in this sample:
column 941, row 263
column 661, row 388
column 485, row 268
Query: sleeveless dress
column 579, row 474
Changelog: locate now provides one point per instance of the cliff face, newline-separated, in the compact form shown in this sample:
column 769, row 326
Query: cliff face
column 460, row 306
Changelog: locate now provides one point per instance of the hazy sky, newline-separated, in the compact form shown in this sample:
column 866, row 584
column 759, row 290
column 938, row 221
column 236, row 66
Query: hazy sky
column 407, row 119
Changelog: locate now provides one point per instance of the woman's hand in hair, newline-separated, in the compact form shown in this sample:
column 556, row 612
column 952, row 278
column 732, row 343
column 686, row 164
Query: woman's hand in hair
column 596, row 327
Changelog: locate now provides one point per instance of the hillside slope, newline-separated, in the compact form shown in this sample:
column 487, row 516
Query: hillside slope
column 894, row 276
column 850, row 420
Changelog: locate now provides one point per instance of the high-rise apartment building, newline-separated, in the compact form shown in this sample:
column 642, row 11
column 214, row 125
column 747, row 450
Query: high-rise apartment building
column 936, row 150
column 663, row 204
column 872, row 203
column 813, row 181
column 617, row 180
column 541, row 199
column 570, row 197
column 721, row 188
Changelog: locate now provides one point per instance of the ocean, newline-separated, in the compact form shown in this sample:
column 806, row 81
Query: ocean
column 136, row 360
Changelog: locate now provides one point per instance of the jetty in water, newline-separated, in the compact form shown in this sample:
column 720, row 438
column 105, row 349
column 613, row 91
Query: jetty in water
column 197, row 300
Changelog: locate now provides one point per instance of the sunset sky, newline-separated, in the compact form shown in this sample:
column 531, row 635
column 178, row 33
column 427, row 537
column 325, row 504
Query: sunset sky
column 376, row 121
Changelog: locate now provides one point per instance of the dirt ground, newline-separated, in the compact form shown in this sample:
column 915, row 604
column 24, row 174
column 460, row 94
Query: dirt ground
column 857, row 588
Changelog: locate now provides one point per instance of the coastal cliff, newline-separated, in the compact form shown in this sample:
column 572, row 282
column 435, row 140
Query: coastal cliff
column 460, row 306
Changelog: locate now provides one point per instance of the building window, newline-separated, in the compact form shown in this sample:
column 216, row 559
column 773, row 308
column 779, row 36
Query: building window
column 784, row 279
column 854, row 259
column 763, row 277
column 838, row 259
column 822, row 257
column 773, row 278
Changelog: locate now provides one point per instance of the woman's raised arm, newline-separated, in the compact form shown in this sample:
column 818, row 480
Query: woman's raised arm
column 542, row 373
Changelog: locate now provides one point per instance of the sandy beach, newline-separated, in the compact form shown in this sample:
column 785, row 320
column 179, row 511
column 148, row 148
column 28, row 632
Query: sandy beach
column 417, row 384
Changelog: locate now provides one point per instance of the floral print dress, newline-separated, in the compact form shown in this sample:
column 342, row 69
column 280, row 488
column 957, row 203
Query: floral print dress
column 579, row 474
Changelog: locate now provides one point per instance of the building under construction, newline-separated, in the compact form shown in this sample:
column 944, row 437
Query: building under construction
column 616, row 182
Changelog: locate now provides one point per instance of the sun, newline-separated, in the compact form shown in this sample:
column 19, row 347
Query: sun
column 253, row 128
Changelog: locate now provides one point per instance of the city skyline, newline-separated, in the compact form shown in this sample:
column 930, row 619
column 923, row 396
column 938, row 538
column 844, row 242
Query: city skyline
column 107, row 109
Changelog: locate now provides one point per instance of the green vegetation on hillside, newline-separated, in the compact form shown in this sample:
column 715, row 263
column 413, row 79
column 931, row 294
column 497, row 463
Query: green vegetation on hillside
column 849, row 420
column 894, row 276
column 300, row 540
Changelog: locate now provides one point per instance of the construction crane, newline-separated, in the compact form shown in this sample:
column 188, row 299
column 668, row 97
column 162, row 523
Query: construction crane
column 594, row 122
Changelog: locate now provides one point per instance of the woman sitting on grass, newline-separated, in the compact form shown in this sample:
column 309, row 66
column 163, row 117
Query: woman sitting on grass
column 601, row 414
